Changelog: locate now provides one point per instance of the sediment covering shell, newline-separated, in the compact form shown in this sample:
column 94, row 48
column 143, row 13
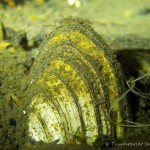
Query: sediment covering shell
column 74, row 82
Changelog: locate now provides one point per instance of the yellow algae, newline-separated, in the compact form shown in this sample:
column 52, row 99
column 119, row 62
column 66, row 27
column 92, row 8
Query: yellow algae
column 10, row 3
column 4, row 44
column 33, row 17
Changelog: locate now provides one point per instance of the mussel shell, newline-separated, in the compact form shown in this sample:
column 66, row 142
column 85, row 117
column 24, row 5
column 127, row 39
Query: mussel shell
column 73, row 83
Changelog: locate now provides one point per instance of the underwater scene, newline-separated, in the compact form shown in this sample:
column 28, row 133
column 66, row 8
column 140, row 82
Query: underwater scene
column 74, row 75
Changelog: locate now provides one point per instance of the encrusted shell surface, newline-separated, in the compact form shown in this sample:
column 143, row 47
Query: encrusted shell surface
column 74, row 82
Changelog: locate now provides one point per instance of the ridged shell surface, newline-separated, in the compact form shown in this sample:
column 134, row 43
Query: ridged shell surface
column 74, row 82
